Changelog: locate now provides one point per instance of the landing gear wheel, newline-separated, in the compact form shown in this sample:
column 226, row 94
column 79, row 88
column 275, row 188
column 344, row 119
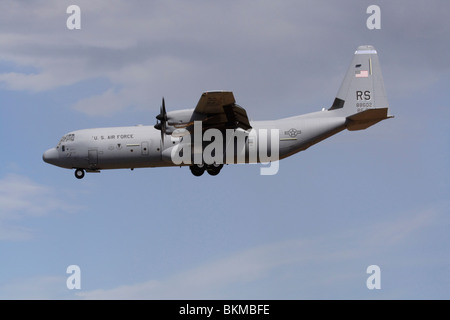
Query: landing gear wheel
column 197, row 170
column 214, row 169
column 79, row 173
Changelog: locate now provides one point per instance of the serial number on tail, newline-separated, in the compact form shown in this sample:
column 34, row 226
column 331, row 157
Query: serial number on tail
column 361, row 106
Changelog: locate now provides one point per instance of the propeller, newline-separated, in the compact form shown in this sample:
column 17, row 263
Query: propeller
column 162, row 118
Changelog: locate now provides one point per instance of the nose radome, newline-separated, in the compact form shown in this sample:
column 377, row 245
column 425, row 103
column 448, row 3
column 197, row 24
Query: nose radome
column 50, row 156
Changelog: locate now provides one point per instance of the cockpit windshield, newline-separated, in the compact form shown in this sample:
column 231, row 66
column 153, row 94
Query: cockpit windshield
column 66, row 138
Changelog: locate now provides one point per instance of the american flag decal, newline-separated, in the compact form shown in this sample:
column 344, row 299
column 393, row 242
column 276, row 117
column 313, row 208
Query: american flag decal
column 362, row 74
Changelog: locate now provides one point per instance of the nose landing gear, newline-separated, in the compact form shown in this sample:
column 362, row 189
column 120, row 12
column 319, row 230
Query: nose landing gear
column 79, row 173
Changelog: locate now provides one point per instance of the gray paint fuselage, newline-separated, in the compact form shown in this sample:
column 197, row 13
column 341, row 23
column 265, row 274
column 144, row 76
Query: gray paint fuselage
column 141, row 146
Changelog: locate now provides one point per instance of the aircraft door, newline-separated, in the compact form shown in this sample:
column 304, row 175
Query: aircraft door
column 93, row 158
column 151, row 151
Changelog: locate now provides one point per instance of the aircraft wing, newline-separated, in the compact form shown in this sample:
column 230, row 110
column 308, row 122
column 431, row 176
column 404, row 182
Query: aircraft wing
column 218, row 109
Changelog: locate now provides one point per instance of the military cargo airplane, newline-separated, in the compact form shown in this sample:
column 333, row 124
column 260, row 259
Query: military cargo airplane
column 217, row 131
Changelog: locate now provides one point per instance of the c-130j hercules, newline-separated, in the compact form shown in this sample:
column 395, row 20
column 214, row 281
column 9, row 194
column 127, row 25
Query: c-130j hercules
column 180, row 138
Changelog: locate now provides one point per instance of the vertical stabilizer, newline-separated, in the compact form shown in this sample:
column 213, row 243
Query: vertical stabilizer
column 361, row 97
column 363, row 86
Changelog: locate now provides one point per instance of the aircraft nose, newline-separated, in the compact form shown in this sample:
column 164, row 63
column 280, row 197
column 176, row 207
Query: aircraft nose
column 50, row 156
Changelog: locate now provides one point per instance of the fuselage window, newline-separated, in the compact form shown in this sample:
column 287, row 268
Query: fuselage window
column 63, row 148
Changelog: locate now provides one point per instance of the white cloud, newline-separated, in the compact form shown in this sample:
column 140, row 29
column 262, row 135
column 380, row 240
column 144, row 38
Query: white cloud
column 13, row 232
column 207, row 280
column 327, row 265
column 296, row 260
column 22, row 198
column 400, row 230
column 20, row 194
column 36, row 288
column 149, row 49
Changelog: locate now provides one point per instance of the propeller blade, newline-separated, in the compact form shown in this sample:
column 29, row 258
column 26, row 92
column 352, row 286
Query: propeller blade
column 163, row 120
column 163, row 110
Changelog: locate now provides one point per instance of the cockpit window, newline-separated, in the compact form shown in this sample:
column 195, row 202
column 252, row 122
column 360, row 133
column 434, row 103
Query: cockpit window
column 66, row 138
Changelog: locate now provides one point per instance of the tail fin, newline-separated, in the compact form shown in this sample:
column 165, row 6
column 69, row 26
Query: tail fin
column 361, row 97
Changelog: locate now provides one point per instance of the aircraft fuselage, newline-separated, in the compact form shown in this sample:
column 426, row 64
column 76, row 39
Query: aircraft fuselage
column 142, row 146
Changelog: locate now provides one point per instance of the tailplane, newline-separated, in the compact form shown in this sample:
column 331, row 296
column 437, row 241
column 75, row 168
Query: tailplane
column 361, row 97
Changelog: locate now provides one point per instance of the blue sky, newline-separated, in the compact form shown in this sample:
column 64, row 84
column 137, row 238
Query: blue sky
column 373, row 197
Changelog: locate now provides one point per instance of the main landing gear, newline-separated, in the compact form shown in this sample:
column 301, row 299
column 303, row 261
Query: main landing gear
column 213, row 169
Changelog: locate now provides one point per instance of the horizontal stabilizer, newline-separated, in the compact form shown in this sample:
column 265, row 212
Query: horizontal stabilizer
column 367, row 118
